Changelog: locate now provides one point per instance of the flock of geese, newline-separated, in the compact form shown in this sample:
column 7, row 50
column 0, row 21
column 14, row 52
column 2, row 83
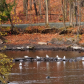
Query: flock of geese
column 37, row 57
column 57, row 58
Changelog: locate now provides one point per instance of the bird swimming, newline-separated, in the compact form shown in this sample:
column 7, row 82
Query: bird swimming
column 57, row 57
column 82, row 58
column 26, row 56
column 47, row 77
column 38, row 57
column 64, row 58
column 47, row 56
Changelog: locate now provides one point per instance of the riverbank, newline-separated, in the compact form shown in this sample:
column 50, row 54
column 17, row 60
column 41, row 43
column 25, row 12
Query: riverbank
column 39, row 42
column 43, row 38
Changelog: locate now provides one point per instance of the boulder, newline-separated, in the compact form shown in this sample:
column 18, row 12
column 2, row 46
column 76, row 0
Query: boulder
column 57, row 41
column 42, row 43
column 1, row 42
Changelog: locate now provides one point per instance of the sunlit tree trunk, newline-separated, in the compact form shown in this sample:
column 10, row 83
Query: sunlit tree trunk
column 25, row 6
column 40, row 9
column 71, row 13
column 63, row 14
column 46, row 14
column 65, row 9
column 79, row 20
column 49, row 10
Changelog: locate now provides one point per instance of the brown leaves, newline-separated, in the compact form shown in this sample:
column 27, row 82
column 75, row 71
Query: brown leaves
column 29, row 38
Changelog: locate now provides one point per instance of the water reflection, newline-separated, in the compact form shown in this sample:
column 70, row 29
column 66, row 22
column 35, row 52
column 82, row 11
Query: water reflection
column 83, row 63
column 47, row 66
column 41, row 53
column 38, row 65
column 58, row 65
column 20, row 67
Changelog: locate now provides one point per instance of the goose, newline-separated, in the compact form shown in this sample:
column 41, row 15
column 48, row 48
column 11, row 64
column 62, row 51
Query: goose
column 38, row 57
column 82, row 58
column 47, row 77
column 64, row 58
column 47, row 56
column 20, row 64
column 26, row 56
column 57, row 57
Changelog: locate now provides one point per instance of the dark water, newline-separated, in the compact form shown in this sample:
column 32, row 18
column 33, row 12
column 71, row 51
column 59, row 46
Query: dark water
column 36, row 72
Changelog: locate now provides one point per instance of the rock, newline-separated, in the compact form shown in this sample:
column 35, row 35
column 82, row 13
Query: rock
column 69, row 41
column 57, row 41
column 75, row 46
column 42, row 43
column 1, row 42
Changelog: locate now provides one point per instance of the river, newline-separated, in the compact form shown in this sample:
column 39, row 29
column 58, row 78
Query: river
column 36, row 72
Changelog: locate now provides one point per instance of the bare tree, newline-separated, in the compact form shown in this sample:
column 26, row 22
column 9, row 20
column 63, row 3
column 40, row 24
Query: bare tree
column 25, row 6
column 46, row 14
column 71, row 13
column 76, row 11
column 40, row 9
column 35, row 7
column 63, row 14
column 30, row 4
column 65, row 9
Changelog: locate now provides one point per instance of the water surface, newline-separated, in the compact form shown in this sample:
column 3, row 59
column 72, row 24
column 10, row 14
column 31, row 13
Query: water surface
column 36, row 72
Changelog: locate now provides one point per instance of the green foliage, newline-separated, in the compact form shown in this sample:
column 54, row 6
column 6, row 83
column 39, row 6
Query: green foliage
column 5, row 67
column 3, row 33
column 5, row 10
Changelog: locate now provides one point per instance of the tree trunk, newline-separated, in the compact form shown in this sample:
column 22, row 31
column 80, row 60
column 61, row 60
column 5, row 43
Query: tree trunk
column 46, row 14
column 12, row 26
column 30, row 4
column 49, row 8
column 35, row 7
column 80, row 14
column 15, row 6
column 40, row 9
column 26, row 12
column 65, row 9
column 25, row 5
column 71, row 13
column 63, row 14
column 76, row 11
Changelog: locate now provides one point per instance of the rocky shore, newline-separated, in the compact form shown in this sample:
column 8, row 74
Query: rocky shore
column 51, row 39
column 23, row 47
